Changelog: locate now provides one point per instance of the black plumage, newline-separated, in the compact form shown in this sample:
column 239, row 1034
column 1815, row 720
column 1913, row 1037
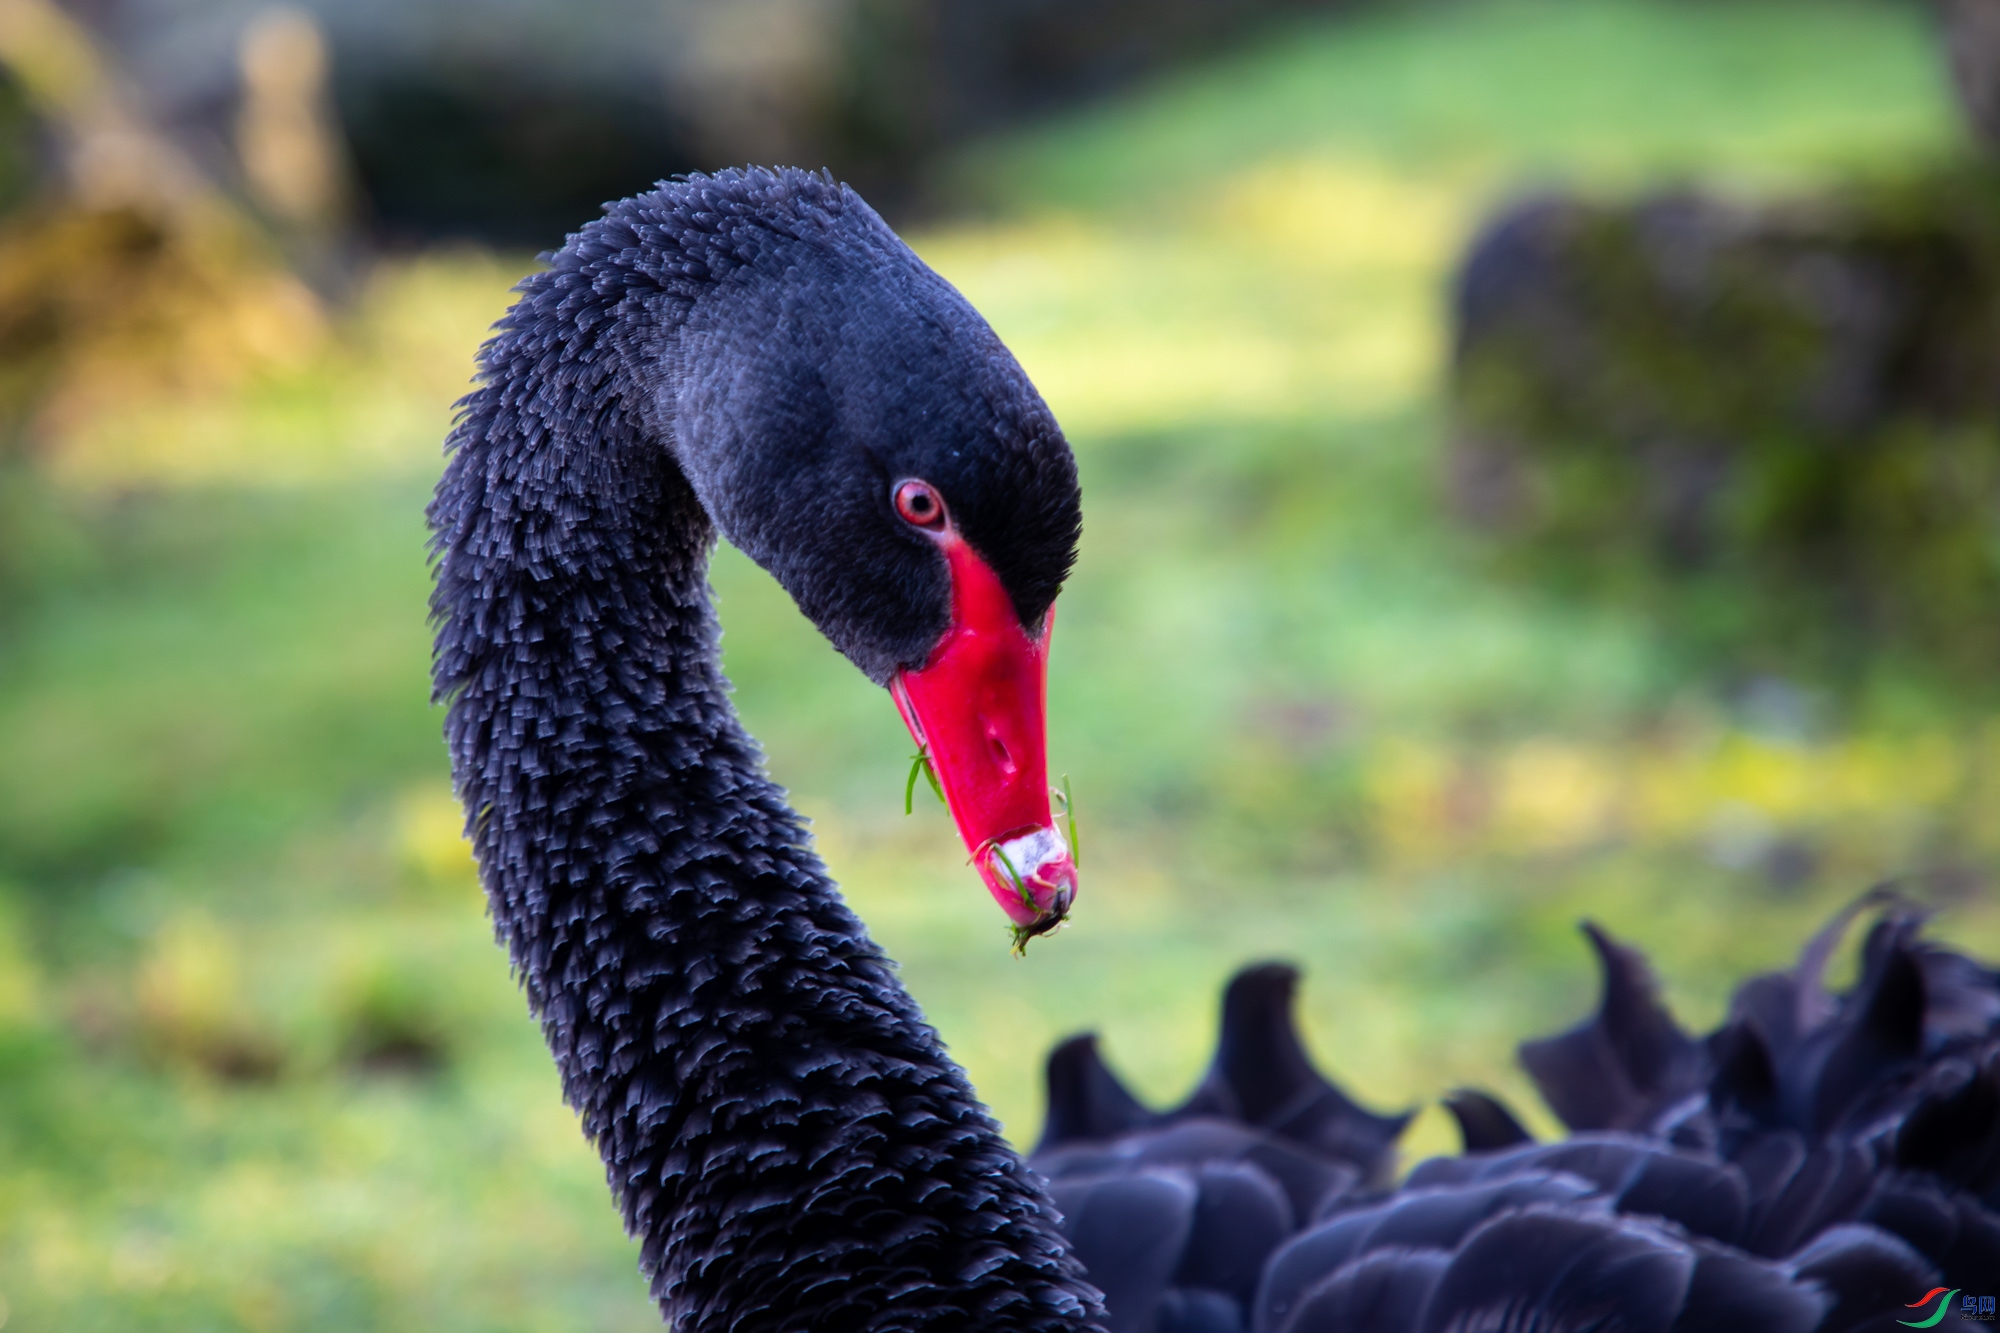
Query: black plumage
column 756, row 352
column 1628, row 1063
column 1484, row 1124
column 1852, row 1178
column 1262, row 1076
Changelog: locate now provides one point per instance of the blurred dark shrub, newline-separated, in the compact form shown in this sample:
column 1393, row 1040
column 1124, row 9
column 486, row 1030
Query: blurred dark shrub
column 106, row 304
column 395, row 1023
column 1797, row 405
column 917, row 75
column 509, row 155
column 64, row 275
column 71, row 276
column 512, row 122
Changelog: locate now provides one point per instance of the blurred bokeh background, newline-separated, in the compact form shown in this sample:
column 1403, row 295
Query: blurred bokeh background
column 1541, row 461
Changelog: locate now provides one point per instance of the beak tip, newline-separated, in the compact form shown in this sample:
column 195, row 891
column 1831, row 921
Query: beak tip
column 1038, row 900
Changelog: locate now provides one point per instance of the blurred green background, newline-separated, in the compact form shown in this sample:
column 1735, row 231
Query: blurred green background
column 261, row 1065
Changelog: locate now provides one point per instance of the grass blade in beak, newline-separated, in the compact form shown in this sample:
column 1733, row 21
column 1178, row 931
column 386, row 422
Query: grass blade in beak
column 920, row 762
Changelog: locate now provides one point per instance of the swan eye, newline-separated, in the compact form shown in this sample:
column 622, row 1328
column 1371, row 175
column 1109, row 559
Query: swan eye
column 918, row 504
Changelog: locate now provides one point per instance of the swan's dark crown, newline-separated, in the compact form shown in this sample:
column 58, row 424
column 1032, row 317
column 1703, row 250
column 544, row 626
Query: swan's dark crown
column 825, row 363
column 798, row 359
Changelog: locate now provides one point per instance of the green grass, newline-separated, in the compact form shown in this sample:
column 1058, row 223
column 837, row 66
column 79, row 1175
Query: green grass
column 1614, row 91
column 261, row 1066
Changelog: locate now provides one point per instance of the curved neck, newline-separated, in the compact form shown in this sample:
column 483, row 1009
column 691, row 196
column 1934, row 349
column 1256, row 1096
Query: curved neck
column 781, row 1128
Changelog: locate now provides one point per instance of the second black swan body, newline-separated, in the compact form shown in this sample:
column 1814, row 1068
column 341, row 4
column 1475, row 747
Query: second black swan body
column 756, row 355
column 1821, row 1163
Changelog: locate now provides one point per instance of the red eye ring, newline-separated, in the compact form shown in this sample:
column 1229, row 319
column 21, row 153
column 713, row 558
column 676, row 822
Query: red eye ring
column 919, row 504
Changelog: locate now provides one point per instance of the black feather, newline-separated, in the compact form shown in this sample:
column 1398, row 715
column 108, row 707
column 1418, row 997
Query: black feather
column 1731, row 1293
column 1831, row 1183
column 1130, row 1231
column 1867, row 1273
column 1086, row 1102
column 1383, row 1292
column 1708, row 1198
column 1310, row 1182
column 1199, row 1310
column 1484, row 1123
column 1629, row 1063
column 1262, row 1076
column 1553, row 1271
column 1953, row 1129
column 1240, row 1216
column 1951, row 1230
column 1417, row 1218
column 1879, row 1033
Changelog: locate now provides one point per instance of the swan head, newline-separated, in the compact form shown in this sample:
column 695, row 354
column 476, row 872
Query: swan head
column 855, row 427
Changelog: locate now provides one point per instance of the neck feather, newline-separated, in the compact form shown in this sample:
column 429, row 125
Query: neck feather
column 782, row 1129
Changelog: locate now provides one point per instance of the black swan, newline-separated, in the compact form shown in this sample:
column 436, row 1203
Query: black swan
column 756, row 353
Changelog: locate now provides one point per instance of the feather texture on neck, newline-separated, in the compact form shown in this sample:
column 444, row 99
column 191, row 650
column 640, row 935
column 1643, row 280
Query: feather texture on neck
column 781, row 1128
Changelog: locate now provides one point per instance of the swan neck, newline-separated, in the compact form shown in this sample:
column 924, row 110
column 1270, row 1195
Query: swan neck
column 782, row 1130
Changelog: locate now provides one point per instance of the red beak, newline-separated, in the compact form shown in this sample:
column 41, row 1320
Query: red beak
column 977, row 711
